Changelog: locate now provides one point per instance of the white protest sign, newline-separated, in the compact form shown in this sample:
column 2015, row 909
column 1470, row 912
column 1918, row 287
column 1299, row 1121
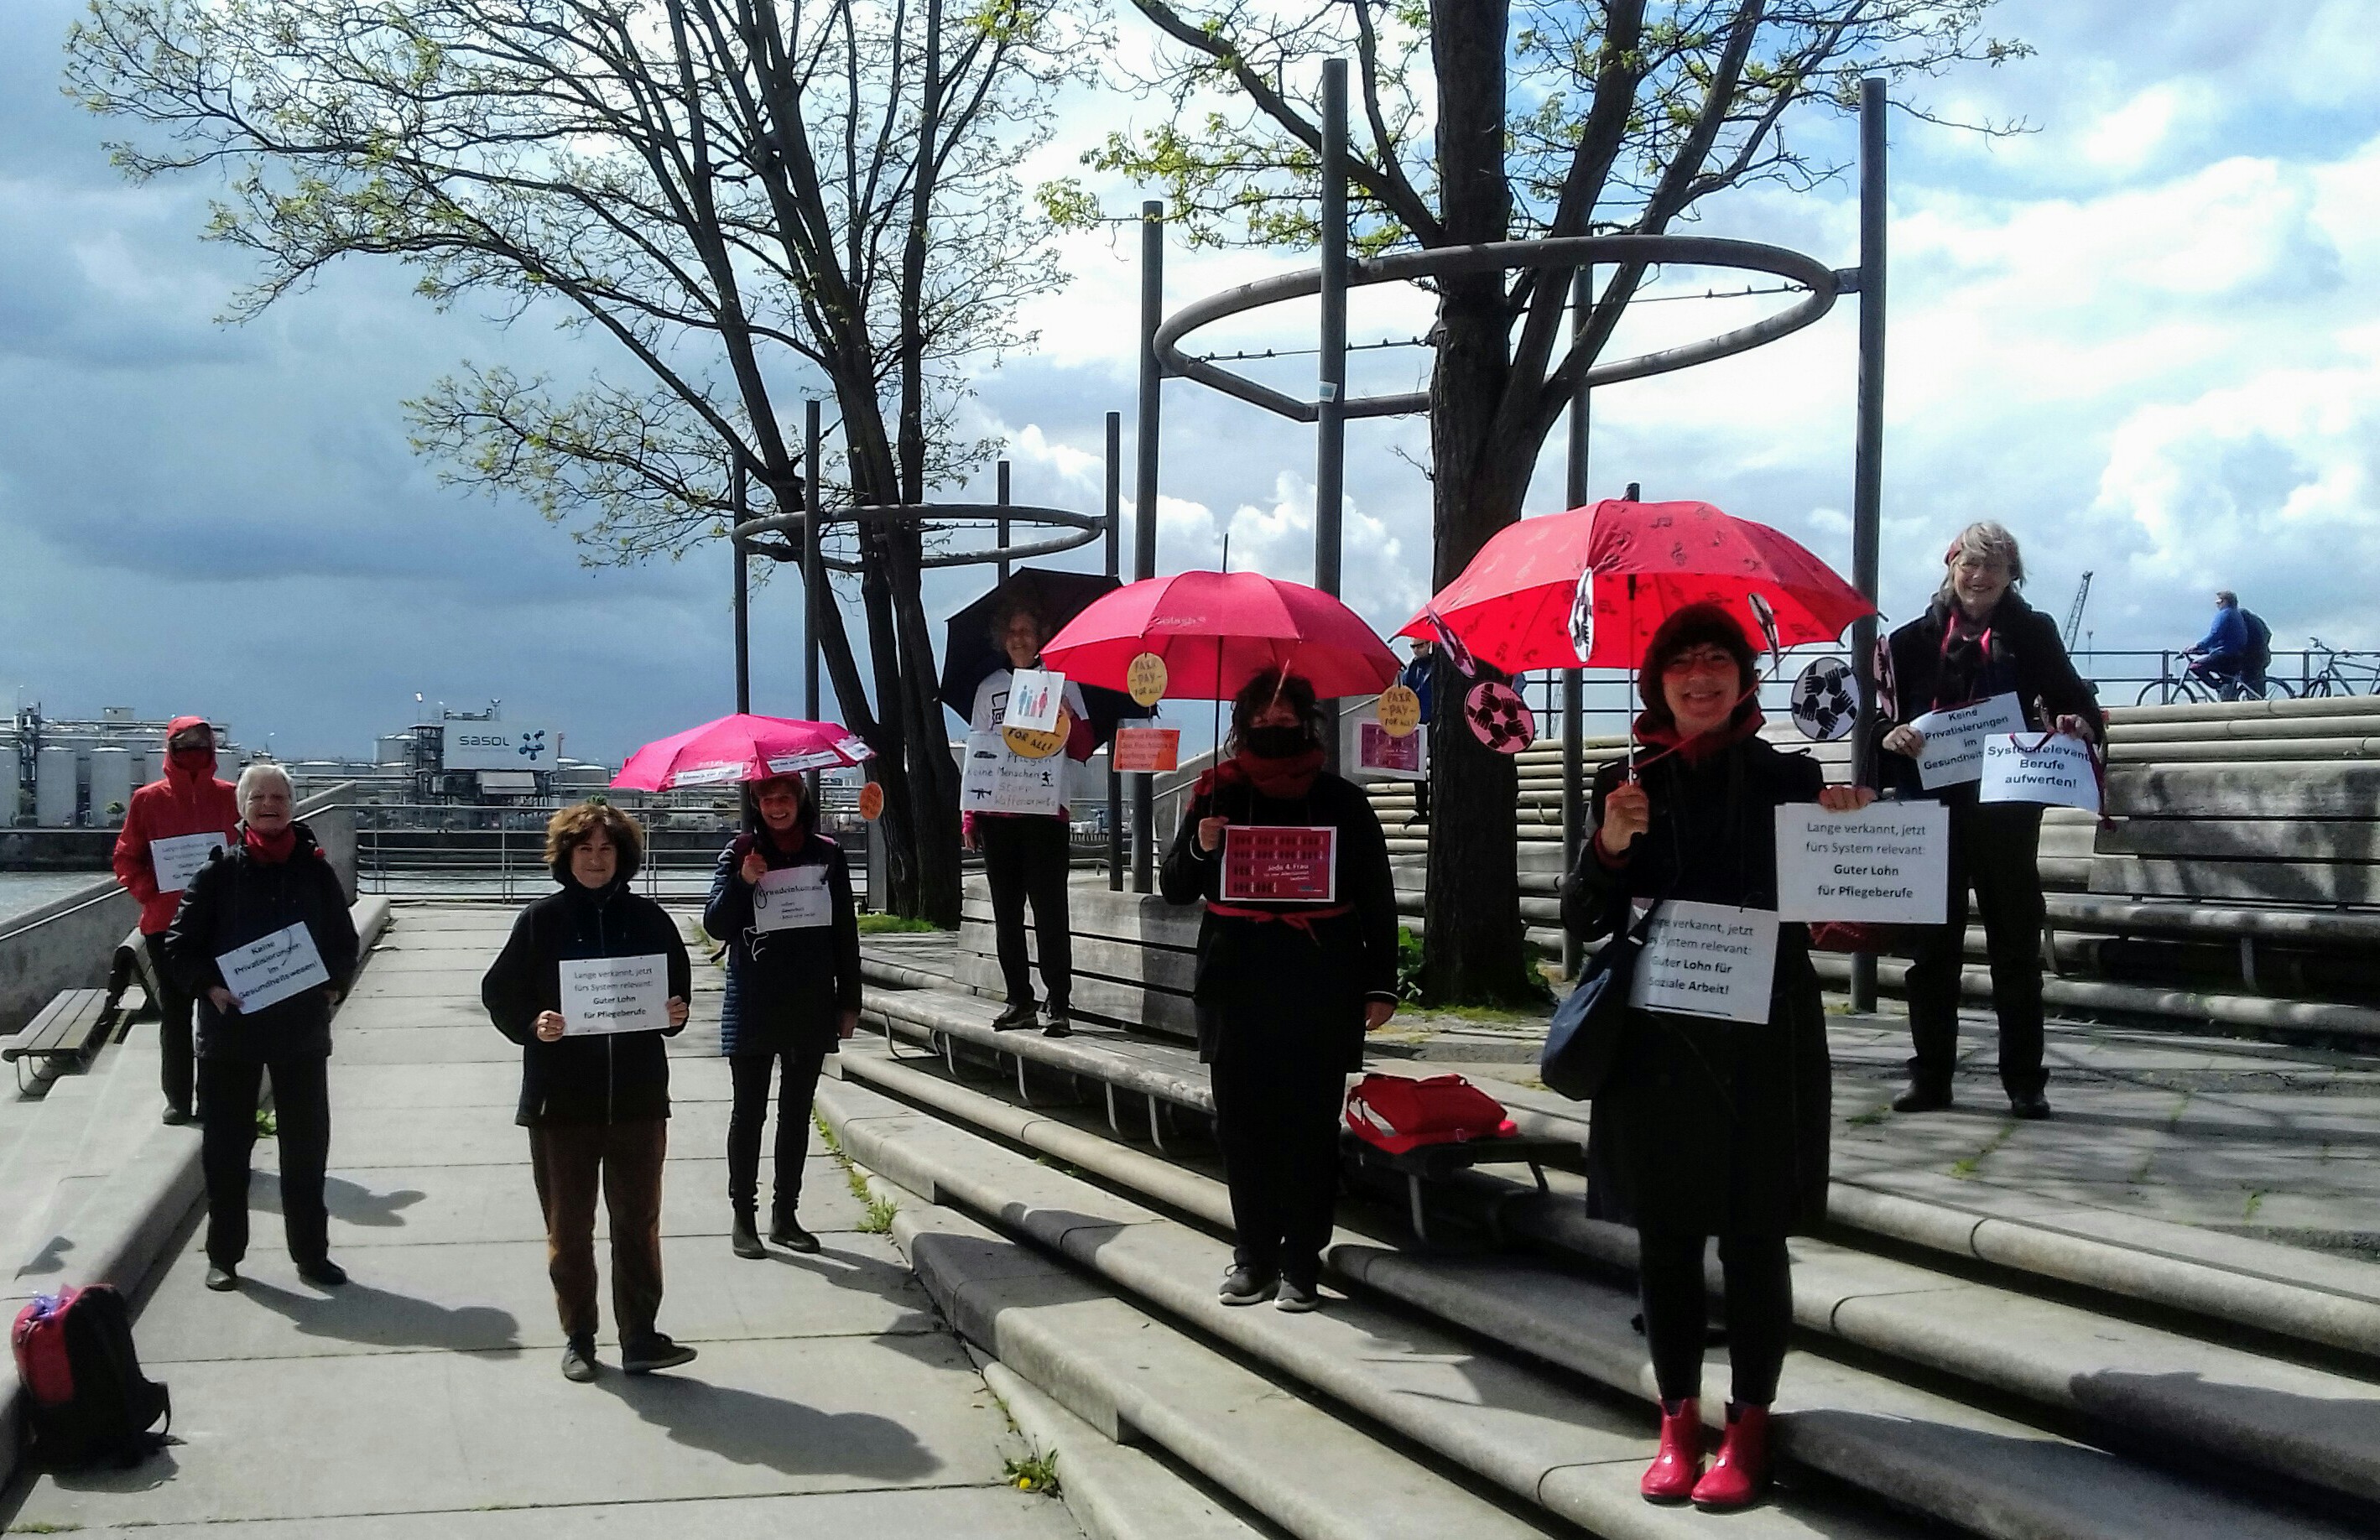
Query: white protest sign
column 1891, row 861
column 615, row 994
column 998, row 780
column 1954, row 739
column 793, row 898
column 178, row 860
column 269, row 971
column 1033, row 697
column 1708, row 960
column 2054, row 770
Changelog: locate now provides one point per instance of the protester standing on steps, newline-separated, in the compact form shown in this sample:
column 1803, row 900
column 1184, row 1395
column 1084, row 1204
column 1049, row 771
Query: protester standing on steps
column 1026, row 856
column 1979, row 639
column 272, row 879
column 1707, row 1127
column 170, row 819
column 1284, row 990
column 1418, row 676
column 595, row 1103
column 793, row 992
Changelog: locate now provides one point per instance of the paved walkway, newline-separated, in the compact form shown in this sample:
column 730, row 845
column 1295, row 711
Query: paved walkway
column 425, row 1397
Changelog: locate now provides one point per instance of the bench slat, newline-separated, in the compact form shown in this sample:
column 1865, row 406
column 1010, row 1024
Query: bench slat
column 2271, row 881
column 2349, row 790
column 2245, row 839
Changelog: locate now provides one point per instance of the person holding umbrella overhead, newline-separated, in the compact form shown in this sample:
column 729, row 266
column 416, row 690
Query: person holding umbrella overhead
column 1026, row 855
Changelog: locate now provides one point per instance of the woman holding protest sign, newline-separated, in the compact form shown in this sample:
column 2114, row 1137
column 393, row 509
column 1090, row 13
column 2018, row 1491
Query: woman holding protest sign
column 591, row 979
column 1296, row 962
column 1980, row 660
column 1709, row 1123
column 780, row 899
column 264, row 943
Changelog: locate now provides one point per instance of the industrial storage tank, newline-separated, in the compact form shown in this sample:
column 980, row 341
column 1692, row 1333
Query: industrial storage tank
column 111, row 786
column 56, row 793
column 394, row 749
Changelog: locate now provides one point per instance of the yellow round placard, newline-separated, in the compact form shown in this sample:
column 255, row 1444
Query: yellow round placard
column 1398, row 711
column 1029, row 745
column 1144, row 679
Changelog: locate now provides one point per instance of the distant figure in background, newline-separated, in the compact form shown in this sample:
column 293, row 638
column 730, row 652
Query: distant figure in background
column 1026, row 856
column 1416, row 677
column 271, row 878
column 792, row 993
column 596, row 1104
column 182, row 810
column 2237, row 648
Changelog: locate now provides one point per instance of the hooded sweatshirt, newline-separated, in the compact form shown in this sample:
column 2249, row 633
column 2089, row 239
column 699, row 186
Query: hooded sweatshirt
column 187, row 800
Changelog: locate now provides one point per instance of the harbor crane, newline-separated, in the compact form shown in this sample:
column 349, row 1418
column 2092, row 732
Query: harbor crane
column 2074, row 611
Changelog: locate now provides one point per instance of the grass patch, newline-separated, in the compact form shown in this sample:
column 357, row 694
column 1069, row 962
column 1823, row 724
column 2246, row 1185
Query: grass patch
column 1489, row 1015
column 878, row 1218
column 2141, row 1172
column 2255, row 1201
column 2173, row 1119
column 1035, row 1474
column 826, row 1136
column 267, row 1127
column 42, row 1526
column 1969, row 1165
column 1871, row 1116
column 893, row 925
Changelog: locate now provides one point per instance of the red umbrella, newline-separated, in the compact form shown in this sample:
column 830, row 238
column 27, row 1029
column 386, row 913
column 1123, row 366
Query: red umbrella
column 1217, row 631
column 1513, row 605
column 740, row 748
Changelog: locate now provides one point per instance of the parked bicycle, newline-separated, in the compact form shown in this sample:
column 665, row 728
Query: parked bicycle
column 2198, row 685
column 2341, row 672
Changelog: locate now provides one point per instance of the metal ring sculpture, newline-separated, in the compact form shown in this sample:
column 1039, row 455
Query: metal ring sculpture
column 1824, row 282
column 1078, row 529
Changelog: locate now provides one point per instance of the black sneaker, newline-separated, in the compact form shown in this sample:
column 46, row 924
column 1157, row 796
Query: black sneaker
column 1016, row 1016
column 579, row 1363
column 325, row 1274
column 222, row 1280
column 1296, row 1299
column 656, row 1352
column 1245, row 1285
column 2032, row 1109
column 1057, row 1022
column 175, row 1116
column 746, row 1240
column 787, row 1231
column 1921, row 1098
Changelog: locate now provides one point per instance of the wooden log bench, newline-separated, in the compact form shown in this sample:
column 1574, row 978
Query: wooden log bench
column 70, row 1030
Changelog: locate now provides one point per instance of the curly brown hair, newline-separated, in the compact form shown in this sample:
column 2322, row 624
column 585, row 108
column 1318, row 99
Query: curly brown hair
column 569, row 828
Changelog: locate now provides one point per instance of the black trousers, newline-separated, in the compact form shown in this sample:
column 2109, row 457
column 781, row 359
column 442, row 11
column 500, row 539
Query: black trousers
column 1277, row 1120
column 176, row 1067
column 1759, row 1310
column 1994, row 846
column 750, row 1073
column 1027, row 858
column 229, row 1090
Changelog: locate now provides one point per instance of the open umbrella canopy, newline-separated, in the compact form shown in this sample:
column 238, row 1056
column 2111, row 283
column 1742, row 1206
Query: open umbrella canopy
column 1514, row 605
column 740, row 748
column 1217, row 631
column 969, row 655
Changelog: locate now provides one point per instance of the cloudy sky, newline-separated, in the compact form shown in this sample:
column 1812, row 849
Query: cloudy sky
column 2146, row 337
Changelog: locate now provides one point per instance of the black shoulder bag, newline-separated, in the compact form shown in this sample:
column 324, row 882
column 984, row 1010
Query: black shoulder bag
column 1584, row 1039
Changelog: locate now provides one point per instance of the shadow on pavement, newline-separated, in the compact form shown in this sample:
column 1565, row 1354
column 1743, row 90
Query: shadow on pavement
column 375, row 1317
column 783, row 1436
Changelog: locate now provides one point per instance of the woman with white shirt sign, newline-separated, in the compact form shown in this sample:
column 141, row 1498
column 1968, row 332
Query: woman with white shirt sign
column 780, row 899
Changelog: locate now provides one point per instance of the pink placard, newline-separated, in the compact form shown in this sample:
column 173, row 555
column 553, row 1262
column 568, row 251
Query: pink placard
column 1281, row 863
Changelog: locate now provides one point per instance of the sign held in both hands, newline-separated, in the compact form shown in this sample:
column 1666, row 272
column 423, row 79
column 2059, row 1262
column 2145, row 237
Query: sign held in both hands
column 1954, row 739
column 1891, row 861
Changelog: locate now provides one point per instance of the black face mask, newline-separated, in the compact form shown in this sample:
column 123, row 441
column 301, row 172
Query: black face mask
column 1276, row 743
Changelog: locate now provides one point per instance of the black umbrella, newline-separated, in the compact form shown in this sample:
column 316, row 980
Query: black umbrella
column 969, row 656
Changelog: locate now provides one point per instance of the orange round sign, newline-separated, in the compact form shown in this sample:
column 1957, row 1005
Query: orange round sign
column 1143, row 679
column 871, row 800
column 1029, row 745
column 1398, row 711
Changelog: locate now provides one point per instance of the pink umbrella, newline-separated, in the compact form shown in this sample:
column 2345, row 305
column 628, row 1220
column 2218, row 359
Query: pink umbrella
column 1217, row 631
column 740, row 748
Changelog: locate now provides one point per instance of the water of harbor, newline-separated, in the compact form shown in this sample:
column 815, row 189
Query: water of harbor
column 20, row 890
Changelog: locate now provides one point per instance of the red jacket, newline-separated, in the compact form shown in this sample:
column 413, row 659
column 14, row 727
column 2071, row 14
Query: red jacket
column 183, row 802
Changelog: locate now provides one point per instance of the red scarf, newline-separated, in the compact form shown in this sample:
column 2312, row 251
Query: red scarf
column 1282, row 780
column 1703, row 744
column 271, row 849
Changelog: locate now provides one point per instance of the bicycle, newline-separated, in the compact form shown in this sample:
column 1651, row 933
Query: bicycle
column 2333, row 678
column 2198, row 686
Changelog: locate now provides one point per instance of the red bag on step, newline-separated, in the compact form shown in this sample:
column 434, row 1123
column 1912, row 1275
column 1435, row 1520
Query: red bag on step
column 1399, row 1114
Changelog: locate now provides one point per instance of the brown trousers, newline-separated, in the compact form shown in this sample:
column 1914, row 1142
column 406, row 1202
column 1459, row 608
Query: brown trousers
column 571, row 1160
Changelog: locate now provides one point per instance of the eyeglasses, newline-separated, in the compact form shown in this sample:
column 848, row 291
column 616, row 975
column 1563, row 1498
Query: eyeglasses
column 1700, row 659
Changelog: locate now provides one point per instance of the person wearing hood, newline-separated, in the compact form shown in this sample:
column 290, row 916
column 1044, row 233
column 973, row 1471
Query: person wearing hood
column 172, row 823
column 792, row 993
column 1284, row 990
column 1979, row 639
column 1026, row 855
column 1707, row 1127
column 271, row 879
column 595, row 1103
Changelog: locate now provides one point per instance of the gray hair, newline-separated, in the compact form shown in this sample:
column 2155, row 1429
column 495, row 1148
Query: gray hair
column 256, row 774
column 1985, row 541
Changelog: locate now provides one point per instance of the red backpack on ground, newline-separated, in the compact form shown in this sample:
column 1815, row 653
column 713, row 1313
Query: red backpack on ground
column 91, row 1401
column 1399, row 1114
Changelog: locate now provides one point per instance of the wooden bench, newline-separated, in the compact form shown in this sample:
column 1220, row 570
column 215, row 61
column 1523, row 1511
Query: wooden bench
column 67, row 1032
column 1136, row 956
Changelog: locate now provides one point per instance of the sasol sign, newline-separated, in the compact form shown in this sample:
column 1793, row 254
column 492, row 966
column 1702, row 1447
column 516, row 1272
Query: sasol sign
column 488, row 745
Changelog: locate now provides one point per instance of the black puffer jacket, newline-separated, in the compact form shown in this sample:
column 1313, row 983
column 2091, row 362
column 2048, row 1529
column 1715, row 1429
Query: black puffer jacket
column 615, row 1077
column 236, row 899
column 786, row 989
column 2025, row 658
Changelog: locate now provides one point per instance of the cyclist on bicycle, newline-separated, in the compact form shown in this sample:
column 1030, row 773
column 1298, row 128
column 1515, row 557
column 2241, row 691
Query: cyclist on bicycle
column 2230, row 658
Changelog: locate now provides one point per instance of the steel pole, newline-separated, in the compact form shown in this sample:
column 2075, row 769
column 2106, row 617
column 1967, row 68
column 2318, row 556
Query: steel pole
column 741, row 495
column 1000, row 497
column 1144, row 501
column 1114, row 510
column 1330, row 393
column 813, row 573
column 1867, row 474
column 1582, row 288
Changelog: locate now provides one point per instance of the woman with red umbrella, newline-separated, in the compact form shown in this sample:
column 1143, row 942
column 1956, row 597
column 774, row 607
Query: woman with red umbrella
column 1297, row 960
column 1707, row 1126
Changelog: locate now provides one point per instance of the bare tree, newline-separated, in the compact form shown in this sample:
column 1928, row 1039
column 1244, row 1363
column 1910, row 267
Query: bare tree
column 1487, row 120
column 749, row 198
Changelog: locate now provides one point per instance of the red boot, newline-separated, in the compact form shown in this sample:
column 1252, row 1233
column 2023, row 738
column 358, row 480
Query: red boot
column 1670, row 1477
column 1742, row 1468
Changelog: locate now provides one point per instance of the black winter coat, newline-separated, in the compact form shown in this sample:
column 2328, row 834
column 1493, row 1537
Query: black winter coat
column 786, row 989
column 236, row 899
column 1276, row 986
column 609, row 1078
column 1707, row 1126
column 2025, row 658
